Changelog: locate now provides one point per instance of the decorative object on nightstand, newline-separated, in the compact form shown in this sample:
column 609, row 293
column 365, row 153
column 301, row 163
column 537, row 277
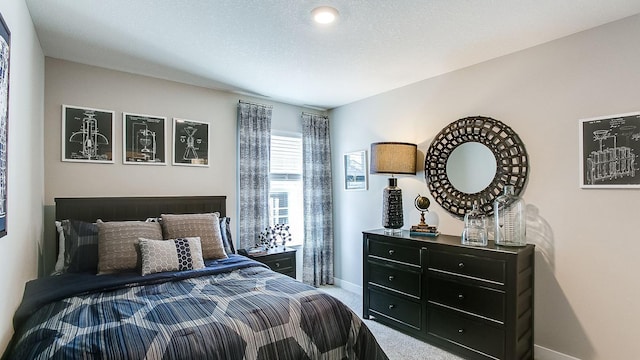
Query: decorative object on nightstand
column 510, row 221
column 272, row 235
column 475, row 228
column 422, row 229
column 393, row 158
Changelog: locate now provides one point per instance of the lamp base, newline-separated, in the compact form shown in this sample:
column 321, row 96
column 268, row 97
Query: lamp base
column 392, row 217
column 388, row 231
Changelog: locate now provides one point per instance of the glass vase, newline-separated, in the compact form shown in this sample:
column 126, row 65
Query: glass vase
column 475, row 228
column 510, row 219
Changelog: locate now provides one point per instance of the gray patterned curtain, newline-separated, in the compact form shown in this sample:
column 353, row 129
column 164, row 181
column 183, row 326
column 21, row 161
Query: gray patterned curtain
column 317, row 258
column 254, row 142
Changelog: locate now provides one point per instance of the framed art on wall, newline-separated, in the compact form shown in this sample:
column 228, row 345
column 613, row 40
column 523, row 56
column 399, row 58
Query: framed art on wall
column 143, row 139
column 87, row 134
column 5, row 42
column 190, row 142
column 609, row 149
column 355, row 170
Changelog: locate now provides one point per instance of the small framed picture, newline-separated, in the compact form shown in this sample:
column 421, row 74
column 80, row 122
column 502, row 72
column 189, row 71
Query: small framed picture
column 609, row 149
column 144, row 139
column 87, row 134
column 190, row 142
column 355, row 170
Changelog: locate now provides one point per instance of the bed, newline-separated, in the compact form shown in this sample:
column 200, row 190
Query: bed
column 230, row 308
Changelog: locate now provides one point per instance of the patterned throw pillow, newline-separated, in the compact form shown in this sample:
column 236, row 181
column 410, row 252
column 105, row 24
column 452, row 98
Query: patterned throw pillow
column 204, row 226
column 78, row 247
column 171, row 255
column 117, row 241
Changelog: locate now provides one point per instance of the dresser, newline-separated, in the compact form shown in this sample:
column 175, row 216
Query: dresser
column 476, row 302
column 279, row 260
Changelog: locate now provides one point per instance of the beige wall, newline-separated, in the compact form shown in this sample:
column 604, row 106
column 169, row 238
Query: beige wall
column 587, row 286
column 25, row 166
column 76, row 84
column 81, row 85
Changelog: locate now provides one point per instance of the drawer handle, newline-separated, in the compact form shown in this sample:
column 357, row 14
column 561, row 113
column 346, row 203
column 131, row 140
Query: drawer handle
column 392, row 306
column 461, row 265
column 460, row 297
column 391, row 277
column 460, row 331
column 391, row 252
column 277, row 264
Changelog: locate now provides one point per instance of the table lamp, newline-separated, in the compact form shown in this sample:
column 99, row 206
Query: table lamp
column 393, row 158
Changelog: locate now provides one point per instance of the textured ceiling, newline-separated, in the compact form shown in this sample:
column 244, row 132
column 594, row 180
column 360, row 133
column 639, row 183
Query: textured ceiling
column 271, row 48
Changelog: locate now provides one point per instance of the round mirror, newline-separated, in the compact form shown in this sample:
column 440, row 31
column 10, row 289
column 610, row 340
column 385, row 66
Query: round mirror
column 471, row 160
column 471, row 167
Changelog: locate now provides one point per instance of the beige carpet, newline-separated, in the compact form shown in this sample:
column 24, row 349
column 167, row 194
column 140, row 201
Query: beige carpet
column 395, row 344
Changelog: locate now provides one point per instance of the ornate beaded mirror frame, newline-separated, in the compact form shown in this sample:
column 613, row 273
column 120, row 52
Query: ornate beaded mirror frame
column 510, row 155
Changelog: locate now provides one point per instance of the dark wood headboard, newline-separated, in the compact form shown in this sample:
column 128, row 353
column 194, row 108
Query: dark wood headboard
column 123, row 208
column 135, row 208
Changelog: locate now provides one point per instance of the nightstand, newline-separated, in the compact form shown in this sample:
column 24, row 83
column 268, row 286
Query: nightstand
column 279, row 260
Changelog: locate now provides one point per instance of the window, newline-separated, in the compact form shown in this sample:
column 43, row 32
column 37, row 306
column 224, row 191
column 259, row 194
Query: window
column 285, row 192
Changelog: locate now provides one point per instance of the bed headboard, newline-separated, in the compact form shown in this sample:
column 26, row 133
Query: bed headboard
column 136, row 208
column 123, row 208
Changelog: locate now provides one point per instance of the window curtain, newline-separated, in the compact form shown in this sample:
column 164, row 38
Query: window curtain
column 254, row 142
column 318, row 202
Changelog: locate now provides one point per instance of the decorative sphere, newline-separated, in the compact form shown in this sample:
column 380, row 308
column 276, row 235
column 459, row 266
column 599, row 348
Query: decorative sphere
column 422, row 203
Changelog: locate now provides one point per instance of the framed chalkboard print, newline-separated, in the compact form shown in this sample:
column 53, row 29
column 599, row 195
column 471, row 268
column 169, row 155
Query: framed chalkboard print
column 190, row 142
column 5, row 41
column 609, row 149
column 87, row 134
column 143, row 139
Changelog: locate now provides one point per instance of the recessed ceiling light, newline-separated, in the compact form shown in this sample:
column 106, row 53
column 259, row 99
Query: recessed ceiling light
column 324, row 14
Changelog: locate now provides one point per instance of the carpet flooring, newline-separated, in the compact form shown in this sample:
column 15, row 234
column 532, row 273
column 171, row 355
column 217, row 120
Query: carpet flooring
column 395, row 344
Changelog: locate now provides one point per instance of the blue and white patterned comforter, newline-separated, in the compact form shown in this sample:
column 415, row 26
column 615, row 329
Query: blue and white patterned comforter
column 248, row 312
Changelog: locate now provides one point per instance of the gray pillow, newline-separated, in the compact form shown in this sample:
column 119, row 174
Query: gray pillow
column 117, row 244
column 204, row 226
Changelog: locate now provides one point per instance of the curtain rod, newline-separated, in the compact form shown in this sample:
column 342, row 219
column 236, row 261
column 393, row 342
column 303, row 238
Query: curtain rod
column 250, row 103
column 308, row 113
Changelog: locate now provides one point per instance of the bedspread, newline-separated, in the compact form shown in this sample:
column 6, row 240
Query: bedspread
column 247, row 313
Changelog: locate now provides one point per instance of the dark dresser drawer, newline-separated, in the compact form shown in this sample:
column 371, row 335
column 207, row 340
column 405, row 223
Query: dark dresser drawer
column 474, row 335
column 468, row 265
column 396, row 308
column 480, row 301
column 394, row 252
column 404, row 281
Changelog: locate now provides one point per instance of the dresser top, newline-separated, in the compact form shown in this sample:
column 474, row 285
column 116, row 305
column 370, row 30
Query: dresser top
column 449, row 240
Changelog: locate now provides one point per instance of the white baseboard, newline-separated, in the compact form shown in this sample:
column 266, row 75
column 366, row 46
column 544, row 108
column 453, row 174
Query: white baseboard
column 541, row 353
column 349, row 286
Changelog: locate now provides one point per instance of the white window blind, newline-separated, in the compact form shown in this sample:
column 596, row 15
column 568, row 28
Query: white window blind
column 285, row 193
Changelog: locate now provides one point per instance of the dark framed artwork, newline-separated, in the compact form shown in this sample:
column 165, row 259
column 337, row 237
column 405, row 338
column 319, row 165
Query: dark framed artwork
column 5, row 44
column 609, row 149
column 87, row 134
column 190, row 142
column 144, row 139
